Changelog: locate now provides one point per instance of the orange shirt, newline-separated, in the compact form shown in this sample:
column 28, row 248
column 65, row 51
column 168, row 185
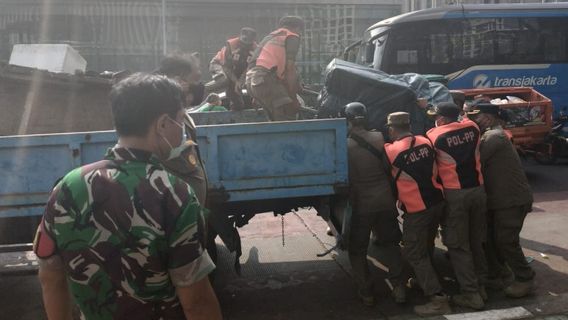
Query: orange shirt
column 272, row 54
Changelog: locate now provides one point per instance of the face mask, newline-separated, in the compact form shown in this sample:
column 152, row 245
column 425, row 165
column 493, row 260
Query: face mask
column 176, row 151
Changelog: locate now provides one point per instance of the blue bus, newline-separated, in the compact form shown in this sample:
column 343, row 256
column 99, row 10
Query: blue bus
column 476, row 46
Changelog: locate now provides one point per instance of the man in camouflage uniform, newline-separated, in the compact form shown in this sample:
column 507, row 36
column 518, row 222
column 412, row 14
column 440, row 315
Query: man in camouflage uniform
column 122, row 235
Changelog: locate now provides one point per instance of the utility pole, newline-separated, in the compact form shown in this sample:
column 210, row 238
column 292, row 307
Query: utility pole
column 164, row 37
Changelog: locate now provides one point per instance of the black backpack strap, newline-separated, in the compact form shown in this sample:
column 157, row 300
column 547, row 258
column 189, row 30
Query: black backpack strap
column 412, row 143
column 367, row 146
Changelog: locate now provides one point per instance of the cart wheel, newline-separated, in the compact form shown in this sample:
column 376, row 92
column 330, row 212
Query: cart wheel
column 544, row 158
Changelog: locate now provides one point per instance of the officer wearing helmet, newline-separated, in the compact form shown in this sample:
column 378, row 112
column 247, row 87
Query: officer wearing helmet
column 374, row 206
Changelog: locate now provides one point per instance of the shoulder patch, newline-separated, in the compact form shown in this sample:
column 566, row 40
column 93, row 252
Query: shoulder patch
column 44, row 246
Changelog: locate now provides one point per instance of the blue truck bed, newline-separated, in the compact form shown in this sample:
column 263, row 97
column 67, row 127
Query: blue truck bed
column 245, row 162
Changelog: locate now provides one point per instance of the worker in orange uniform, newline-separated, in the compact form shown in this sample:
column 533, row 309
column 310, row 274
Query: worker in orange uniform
column 464, row 224
column 412, row 161
column 232, row 62
column 272, row 79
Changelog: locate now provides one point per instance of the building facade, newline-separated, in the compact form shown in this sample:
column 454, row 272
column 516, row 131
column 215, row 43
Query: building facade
column 135, row 34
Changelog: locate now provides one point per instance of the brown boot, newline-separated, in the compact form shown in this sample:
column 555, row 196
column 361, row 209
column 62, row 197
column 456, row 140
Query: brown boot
column 471, row 300
column 438, row 305
column 519, row 289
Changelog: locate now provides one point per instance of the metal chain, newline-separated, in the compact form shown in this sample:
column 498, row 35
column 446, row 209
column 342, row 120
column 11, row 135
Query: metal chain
column 283, row 241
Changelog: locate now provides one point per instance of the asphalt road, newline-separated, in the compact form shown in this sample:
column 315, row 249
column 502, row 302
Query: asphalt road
column 290, row 282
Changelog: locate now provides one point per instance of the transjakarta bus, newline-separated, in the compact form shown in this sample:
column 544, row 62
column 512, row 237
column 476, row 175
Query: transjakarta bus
column 476, row 46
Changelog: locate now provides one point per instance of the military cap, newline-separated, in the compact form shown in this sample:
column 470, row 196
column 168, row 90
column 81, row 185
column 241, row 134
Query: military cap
column 398, row 119
column 485, row 108
column 445, row 109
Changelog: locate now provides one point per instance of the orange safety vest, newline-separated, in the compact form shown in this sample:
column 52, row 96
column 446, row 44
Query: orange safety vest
column 457, row 150
column 235, row 45
column 272, row 51
column 415, row 171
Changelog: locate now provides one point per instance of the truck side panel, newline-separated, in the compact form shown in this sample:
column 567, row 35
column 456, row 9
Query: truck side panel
column 246, row 161
column 30, row 165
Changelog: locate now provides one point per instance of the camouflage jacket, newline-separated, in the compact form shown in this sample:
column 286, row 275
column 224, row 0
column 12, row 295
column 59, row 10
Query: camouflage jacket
column 126, row 232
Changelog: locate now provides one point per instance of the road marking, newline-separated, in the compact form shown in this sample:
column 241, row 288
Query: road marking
column 502, row 314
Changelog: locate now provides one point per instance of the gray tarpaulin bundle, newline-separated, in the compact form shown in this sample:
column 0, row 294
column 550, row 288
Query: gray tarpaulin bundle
column 382, row 93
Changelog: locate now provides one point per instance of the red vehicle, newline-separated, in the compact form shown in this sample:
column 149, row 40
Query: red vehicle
column 530, row 118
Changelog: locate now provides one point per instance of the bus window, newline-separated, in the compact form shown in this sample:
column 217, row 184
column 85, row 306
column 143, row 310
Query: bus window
column 351, row 53
column 447, row 46
column 517, row 41
column 554, row 39
column 530, row 40
column 478, row 43
column 423, row 47
column 365, row 51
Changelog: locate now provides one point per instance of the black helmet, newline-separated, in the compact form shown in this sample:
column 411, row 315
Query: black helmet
column 355, row 111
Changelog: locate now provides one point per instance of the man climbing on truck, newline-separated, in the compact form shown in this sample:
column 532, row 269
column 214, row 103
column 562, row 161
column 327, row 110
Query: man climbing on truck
column 272, row 79
column 231, row 62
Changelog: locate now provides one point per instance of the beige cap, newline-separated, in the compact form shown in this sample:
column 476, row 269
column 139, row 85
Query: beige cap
column 398, row 118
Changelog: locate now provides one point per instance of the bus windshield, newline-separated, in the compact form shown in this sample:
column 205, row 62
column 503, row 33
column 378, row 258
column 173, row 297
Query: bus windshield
column 372, row 47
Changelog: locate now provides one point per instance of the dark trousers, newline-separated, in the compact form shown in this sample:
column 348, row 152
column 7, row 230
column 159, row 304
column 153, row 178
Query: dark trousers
column 386, row 236
column 464, row 232
column 418, row 233
column 503, row 247
column 236, row 102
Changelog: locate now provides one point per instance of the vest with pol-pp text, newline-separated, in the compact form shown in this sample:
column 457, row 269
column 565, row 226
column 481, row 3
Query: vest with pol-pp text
column 457, row 154
column 417, row 185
